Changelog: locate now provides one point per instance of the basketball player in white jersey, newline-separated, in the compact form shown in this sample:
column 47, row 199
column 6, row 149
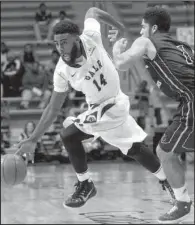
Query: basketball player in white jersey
column 86, row 66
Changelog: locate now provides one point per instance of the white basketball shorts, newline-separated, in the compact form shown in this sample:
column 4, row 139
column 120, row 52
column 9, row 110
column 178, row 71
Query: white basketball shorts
column 111, row 121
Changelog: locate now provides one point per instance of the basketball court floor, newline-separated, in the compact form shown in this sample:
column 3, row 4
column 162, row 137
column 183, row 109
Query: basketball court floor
column 127, row 194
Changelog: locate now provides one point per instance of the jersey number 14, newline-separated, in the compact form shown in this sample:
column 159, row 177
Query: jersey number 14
column 103, row 82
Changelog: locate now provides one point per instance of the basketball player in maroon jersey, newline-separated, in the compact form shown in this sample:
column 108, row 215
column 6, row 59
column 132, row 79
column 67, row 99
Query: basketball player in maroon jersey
column 171, row 66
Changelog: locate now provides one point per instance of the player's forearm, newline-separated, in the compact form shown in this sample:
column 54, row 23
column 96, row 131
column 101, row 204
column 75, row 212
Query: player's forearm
column 125, row 59
column 121, row 61
column 49, row 115
column 106, row 18
column 45, row 122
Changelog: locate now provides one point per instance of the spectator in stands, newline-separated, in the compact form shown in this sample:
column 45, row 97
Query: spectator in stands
column 74, row 103
column 157, row 105
column 4, row 52
column 62, row 16
column 27, row 131
column 143, row 102
column 42, row 21
column 48, row 72
column 77, row 97
column 33, row 85
column 47, row 87
column 50, row 67
column 12, row 76
column 5, row 125
column 28, row 56
column 2, row 92
column 2, row 145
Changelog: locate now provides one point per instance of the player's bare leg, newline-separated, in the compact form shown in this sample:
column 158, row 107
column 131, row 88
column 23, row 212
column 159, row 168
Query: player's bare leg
column 144, row 156
column 175, row 172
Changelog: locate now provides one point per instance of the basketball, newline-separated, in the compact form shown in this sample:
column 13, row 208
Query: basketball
column 13, row 169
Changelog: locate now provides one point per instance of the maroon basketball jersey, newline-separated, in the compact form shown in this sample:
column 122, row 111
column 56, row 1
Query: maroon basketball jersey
column 173, row 67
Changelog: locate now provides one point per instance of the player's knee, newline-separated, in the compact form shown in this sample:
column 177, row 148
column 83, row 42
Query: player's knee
column 165, row 156
column 160, row 153
column 66, row 136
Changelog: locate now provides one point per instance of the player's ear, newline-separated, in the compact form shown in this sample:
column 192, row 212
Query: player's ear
column 154, row 28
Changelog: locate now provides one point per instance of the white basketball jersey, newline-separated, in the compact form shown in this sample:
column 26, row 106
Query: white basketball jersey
column 97, row 78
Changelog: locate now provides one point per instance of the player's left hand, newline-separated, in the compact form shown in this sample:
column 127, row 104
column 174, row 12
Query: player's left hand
column 120, row 46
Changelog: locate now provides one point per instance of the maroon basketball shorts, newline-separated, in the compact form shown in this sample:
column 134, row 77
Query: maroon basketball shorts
column 179, row 136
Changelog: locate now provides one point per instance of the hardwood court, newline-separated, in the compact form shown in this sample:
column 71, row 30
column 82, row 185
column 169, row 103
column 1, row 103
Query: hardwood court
column 127, row 194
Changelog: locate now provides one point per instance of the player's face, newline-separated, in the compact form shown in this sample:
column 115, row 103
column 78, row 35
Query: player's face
column 67, row 46
column 147, row 30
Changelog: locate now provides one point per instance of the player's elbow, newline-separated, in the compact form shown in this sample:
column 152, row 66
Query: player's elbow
column 92, row 13
column 92, row 10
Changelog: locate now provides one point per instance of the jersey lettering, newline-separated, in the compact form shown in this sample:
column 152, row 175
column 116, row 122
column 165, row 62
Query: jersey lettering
column 96, row 68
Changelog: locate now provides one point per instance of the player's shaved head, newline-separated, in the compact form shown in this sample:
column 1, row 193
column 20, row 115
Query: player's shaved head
column 158, row 16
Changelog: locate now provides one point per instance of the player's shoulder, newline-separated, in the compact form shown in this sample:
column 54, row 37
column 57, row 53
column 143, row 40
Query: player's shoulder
column 60, row 65
column 91, row 27
column 143, row 41
column 146, row 43
column 60, row 69
column 91, row 20
column 91, row 34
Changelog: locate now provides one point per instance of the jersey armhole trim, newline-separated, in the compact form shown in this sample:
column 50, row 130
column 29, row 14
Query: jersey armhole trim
column 154, row 59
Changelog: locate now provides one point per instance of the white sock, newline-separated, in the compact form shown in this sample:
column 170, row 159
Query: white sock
column 160, row 174
column 181, row 194
column 83, row 176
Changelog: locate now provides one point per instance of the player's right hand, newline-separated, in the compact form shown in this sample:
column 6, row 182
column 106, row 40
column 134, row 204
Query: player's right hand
column 25, row 146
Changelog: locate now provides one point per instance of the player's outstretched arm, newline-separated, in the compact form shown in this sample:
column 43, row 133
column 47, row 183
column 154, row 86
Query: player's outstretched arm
column 49, row 115
column 102, row 16
column 47, row 118
column 124, row 60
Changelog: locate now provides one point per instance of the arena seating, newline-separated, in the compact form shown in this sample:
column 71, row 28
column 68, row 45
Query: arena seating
column 17, row 21
column 181, row 15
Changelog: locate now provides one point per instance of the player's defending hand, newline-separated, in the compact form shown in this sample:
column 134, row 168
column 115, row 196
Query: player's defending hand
column 25, row 146
column 114, row 34
column 120, row 46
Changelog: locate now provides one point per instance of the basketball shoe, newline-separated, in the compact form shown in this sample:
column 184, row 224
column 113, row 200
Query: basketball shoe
column 84, row 190
column 176, row 214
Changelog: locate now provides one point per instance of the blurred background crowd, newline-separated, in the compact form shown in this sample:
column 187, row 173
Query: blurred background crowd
column 28, row 60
